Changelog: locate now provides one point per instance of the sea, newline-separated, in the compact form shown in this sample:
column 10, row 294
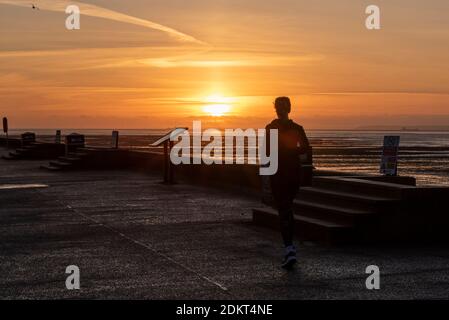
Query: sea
column 422, row 154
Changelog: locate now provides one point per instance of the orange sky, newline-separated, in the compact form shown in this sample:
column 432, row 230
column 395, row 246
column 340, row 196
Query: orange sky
column 235, row 56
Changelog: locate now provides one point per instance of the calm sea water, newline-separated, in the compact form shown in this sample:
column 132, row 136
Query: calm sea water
column 424, row 155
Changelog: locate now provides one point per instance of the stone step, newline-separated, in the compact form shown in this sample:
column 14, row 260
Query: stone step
column 361, row 186
column 347, row 199
column 307, row 228
column 50, row 168
column 61, row 164
column 78, row 154
column 69, row 159
column 329, row 212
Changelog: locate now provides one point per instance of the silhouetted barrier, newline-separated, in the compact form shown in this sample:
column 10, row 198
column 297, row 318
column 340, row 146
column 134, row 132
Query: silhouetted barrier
column 28, row 138
column 73, row 142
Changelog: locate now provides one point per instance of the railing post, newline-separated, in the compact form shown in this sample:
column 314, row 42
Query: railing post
column 168, row 143
column 171, row 177
column 166, row 162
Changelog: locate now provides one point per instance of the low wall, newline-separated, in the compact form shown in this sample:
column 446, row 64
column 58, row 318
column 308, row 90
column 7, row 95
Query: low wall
column 12, row 142
column 238, row 176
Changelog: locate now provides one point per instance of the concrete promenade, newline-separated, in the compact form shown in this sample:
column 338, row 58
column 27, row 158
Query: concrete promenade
column 134, row 238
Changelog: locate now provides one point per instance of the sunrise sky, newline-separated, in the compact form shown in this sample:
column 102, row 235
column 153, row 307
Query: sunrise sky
column 164, row 63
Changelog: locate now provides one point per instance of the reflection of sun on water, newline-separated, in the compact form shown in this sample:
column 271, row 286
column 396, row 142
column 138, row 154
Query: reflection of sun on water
column 217, row 105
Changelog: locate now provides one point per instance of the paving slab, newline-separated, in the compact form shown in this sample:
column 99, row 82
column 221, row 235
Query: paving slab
column 135, row 238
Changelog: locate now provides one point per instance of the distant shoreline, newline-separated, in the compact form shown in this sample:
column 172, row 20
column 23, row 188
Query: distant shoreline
column 311, row 129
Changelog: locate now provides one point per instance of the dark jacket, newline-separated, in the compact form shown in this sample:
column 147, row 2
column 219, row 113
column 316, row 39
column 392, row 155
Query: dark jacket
column 292, row 142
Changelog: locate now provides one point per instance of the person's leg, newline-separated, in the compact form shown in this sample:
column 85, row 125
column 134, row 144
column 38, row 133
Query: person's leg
column 284, row 202
column 287, row 231
column 286, row 222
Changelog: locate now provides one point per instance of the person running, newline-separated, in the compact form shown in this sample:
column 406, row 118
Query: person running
column 292, row 142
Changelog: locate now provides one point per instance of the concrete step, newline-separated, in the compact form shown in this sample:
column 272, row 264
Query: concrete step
column 361, row 187
column 329, row 212
column 50, row 168
column 69, row 159
column 78, row 154
column 61, row 164
column 347, row 199
column 14, row 154
column 307, row 228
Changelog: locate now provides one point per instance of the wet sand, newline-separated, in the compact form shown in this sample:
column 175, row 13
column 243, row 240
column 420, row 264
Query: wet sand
column 428, row 162
column 134, row 238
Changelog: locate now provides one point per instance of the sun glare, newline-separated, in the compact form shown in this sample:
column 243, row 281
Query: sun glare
column 217, row 105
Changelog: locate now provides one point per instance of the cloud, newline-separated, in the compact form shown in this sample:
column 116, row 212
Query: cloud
column 216, row 59
column 100, row 12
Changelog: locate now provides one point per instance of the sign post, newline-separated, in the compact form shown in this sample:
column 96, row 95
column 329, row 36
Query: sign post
column 5, row 130
column 389, row 163
column 115, row 135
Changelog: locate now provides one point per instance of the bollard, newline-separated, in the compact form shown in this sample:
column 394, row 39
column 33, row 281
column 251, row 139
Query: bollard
column 5, row 130
column 58, row 137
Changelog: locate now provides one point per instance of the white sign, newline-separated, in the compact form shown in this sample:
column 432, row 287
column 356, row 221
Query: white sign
column 389, row 163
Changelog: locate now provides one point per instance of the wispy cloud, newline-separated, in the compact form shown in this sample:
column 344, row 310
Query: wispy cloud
column 231, row 60
column 100, row 12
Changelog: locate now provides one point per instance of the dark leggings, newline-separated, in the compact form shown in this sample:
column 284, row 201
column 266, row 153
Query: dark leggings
column 284, row 192
column 287, row 225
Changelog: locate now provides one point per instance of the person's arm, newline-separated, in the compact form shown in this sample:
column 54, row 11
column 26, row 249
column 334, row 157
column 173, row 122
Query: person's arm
column 267, row 140
column 304, row 144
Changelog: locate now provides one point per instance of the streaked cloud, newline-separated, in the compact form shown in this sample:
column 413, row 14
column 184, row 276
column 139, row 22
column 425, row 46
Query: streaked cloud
column 239, row 60
column 100, row 12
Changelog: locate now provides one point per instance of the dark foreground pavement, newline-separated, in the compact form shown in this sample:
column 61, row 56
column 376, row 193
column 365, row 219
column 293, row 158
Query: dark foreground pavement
column 133, row 238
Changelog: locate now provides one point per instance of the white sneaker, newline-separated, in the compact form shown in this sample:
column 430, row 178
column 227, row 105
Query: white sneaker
column 289, row 258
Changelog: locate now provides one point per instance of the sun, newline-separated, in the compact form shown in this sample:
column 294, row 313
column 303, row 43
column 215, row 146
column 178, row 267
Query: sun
column 217, row 105
column 217, row 110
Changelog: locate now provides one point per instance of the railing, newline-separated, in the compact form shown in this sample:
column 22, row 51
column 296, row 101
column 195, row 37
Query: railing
column 167, row 142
